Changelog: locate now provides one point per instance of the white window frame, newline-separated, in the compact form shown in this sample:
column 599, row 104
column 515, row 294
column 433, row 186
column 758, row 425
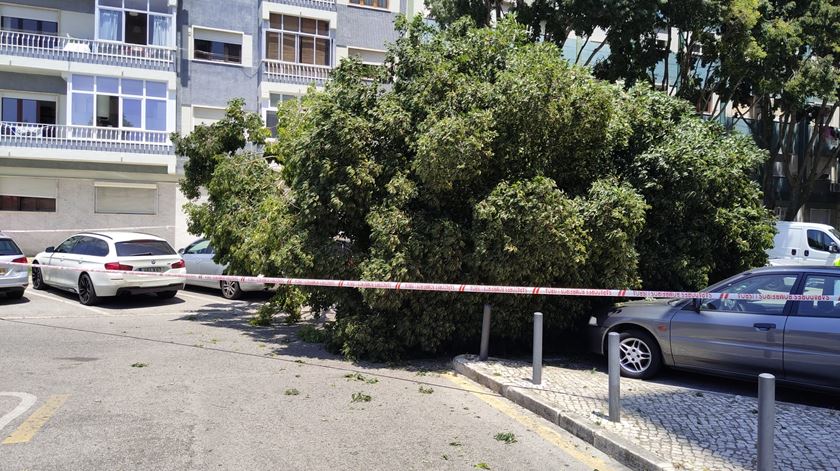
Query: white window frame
column 144, row 99
column 387, row 6
column 147, row 12
column 298, row 34
column 242, row 43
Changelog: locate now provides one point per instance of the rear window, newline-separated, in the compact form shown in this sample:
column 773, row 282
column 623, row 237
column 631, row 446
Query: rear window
column 139, row 248
column 8, row 247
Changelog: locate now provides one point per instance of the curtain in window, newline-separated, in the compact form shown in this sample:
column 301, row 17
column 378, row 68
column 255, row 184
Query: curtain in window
column 160, row 30
column 110, row 25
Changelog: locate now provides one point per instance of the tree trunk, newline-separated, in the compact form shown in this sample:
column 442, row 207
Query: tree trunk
column 796, row 203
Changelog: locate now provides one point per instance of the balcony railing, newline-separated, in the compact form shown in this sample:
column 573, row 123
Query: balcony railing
column 59, row 136
column 318, row 4
column 44, row 46
column 277, row 71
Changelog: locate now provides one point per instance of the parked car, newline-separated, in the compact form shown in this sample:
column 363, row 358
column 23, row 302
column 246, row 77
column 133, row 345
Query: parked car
column 798, row 341
column 804, row 243
column 198, row 257
column 123, row 254
column 13, row 280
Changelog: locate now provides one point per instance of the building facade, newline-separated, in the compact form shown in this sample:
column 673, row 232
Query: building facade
column 90, row 91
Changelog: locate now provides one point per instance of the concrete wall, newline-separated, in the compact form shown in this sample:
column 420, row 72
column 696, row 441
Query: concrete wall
column 78, row 6
column 75, row 211
column 32, row 83
column 364, row 27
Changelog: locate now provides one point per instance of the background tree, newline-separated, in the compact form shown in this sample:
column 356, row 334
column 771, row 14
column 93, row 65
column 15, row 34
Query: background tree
column 478, row 156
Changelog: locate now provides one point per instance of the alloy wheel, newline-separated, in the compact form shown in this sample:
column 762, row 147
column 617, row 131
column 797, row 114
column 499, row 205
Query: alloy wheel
column 634, row 355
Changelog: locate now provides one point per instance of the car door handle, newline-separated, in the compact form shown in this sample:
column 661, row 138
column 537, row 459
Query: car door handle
column 793, row 251
column 807, row 252
column 764, row 326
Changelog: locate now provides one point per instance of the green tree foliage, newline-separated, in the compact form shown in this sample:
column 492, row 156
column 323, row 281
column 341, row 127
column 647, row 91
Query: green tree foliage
column 478, row 156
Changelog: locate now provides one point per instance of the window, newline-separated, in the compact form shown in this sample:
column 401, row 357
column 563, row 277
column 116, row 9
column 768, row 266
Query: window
column 200, row 247
column 28, row 194
column 20, row 110
column 761, row 284
column 819, row 240
column 125, row 198
column 820, row 285
column 26, row 25
column 118, row 103
column 91, row 246
column 218, row 51
column 27, row 203
column 136, row 248
column 271, row 114
column 67, row 245
column 370, row 3
column 8, row 247
column 298, row 40
column 820, row 216
column 145, row 22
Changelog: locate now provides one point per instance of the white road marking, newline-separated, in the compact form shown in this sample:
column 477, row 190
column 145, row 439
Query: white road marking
column 64, row 301
column 26, row 401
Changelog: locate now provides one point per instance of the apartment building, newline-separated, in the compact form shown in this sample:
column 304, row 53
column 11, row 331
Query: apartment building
column 90, row 91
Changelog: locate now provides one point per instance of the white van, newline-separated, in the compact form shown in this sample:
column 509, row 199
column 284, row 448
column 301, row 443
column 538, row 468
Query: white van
column 804, row 243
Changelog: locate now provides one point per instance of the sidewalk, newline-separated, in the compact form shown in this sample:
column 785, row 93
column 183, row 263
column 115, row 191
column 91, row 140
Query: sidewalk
column 663, row 426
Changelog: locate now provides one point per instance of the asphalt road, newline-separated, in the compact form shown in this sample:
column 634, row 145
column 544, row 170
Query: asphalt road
column 186, row 383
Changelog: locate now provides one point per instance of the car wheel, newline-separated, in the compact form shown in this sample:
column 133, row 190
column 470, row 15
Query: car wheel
column 639, row 355
column 15, row 294
column 38, row 279
column 87, row 293
column 167, row 294
column 231, row 290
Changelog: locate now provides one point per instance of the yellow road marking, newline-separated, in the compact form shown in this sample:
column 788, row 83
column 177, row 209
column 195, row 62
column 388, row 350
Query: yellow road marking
column 30, row 427
column 533, row 423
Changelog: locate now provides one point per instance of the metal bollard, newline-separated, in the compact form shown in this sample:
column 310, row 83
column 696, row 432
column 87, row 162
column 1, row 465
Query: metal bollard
column 538, row 344
column 615, row 377
column 485, row 334
column 766, row 420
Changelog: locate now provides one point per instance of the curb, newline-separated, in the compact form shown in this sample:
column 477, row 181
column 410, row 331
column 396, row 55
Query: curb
column 615, row 446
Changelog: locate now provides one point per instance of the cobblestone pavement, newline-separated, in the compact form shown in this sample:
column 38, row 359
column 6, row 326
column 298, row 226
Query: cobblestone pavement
column 693, row 430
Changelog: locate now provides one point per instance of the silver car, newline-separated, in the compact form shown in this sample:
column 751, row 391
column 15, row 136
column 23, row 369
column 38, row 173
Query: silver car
column 198, row 257
column 798, row 341
column 13, row 280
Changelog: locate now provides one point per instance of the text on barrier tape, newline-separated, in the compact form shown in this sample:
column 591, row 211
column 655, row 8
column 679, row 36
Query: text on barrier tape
column 454, row 288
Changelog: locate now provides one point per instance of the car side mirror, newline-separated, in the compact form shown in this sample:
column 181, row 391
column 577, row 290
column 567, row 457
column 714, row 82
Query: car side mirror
column 50, row 249
column 181, row 251
column 833, row 248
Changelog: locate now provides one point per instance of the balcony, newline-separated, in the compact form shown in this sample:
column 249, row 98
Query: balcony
column 291, row 72
column 88, row 138
column 43, row 46
column 317, row 4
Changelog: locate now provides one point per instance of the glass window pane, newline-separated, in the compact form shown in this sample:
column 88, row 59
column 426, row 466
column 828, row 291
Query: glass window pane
column 160, row 6
column 160, row 30
column 307, row 50
column 272, row 45
column 761, row 284
column 107, row 111
column 110, row 25
column 10, row 109
column 820, row 286
column 156, row 115
column 156, row 89
column 290, row 23
column 323, row 28
column 136, row 4
column 382, row 3
column 322, row 51
column 289, row 48
column 81, row 109
column 107, row 85
column 132, row 87
column 275, row 21
column 83, row 82
column 308, row 25
column 29, row 111
column 131, row 112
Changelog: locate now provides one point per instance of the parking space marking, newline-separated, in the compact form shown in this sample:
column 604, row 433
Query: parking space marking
column 64, row 301
column 26, row 401
column 33, row 424
column 533, row 423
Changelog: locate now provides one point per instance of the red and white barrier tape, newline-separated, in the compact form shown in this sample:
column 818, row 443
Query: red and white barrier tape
column 456, row 288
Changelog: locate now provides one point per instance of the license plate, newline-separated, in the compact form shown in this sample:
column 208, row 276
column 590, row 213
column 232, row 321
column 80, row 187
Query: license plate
column 150, row 269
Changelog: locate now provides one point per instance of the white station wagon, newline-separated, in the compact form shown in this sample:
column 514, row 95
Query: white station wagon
column 123, row 254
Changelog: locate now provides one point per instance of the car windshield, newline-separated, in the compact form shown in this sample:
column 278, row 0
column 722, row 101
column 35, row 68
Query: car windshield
column 8, row 247
column 835, row 233
column 139, row 248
